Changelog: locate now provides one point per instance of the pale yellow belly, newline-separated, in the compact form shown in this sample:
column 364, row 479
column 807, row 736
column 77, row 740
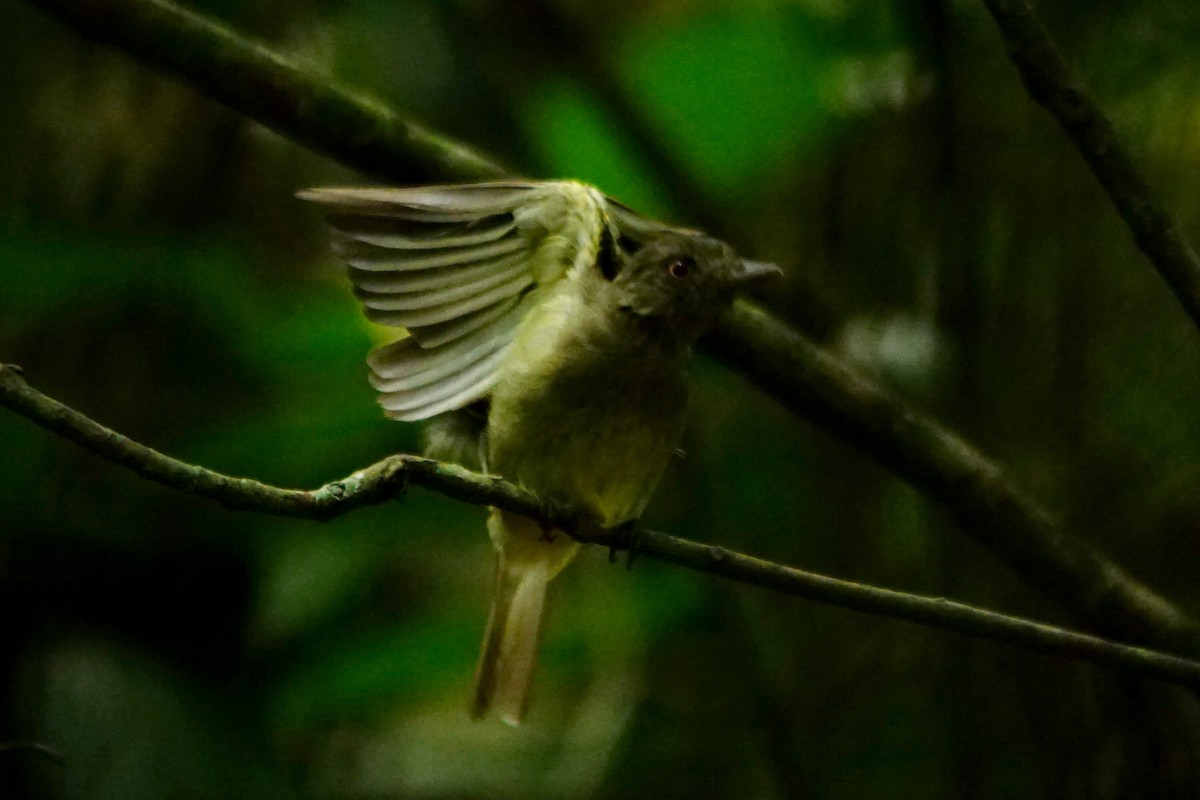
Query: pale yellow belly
column 606, row 460
column 591, row 430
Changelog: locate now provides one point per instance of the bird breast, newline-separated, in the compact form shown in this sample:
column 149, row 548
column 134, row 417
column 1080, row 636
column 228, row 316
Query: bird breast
column 583, row 413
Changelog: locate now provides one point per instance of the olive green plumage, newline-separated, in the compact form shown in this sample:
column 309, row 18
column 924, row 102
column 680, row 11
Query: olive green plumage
column 549, row 329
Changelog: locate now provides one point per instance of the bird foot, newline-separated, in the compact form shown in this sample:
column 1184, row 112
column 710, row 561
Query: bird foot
column 555, row 510
column 624, row 537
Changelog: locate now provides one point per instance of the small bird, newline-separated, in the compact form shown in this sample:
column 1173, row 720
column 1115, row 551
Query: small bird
column 548, row 331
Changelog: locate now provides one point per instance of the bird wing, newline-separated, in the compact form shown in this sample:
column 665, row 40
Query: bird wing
column 635, row 229
column 456, row 266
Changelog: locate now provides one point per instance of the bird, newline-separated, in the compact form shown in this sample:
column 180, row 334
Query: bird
column 548, row 328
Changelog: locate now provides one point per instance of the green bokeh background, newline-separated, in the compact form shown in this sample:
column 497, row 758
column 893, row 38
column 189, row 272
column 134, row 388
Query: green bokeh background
column 937, row 230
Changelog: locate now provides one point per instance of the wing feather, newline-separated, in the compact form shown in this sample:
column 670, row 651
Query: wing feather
column 384, row 258
column 412, row 300
column 431, row 280
column 434, row 287
column 380, row 307
column 442, row 332
column 452, row 264
column 454, row 402
column 418, row 367
column 474, row 198
column 635, row 228
column 459, row 388
column 406, row 234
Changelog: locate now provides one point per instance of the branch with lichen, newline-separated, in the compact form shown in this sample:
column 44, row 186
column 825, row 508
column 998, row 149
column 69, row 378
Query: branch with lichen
column 387, row 480
column 253, row 80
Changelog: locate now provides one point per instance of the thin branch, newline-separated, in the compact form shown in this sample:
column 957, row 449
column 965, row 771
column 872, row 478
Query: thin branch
column 1051, row 83
column 801, row 376
column 378, row 483
column 988, row 506
column 933, row 612
column 386, row 480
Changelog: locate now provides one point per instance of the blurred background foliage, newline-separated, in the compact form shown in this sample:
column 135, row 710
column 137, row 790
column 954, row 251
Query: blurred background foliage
column 937, row 229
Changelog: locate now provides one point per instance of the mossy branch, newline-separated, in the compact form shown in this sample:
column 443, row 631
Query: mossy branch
column 387, row 480
column 255, row 81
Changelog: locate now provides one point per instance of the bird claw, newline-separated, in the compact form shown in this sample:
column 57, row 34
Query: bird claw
column 555, row 510
column 624, row 537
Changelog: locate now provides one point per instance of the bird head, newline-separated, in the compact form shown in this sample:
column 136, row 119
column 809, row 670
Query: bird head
column 682, row 281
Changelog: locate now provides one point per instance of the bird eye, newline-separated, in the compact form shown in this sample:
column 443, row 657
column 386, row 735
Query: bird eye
column 680, row 267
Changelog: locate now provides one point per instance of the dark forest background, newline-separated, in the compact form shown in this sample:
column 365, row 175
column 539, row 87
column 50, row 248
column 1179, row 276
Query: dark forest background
column 937, row 229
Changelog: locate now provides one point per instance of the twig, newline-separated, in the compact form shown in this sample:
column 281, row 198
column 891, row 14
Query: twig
column 386, row 479
column 934, row 612
column 1050, row 82
column 378, row 483
column 796, row 372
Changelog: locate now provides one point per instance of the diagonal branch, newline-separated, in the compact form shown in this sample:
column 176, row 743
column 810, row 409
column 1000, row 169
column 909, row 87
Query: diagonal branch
column 255, row 81
column 1050, row 82
column 985, row 502
column 386, row 480
column 805, row 379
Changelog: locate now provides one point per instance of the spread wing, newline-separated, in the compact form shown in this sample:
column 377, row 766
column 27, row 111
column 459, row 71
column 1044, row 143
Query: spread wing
column 634, row 229
column 456, row 266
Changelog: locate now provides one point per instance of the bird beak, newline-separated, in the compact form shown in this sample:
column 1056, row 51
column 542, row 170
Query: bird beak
column 752, row 272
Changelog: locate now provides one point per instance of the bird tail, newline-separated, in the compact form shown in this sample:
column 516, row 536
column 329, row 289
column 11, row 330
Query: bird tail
column 510, row 645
